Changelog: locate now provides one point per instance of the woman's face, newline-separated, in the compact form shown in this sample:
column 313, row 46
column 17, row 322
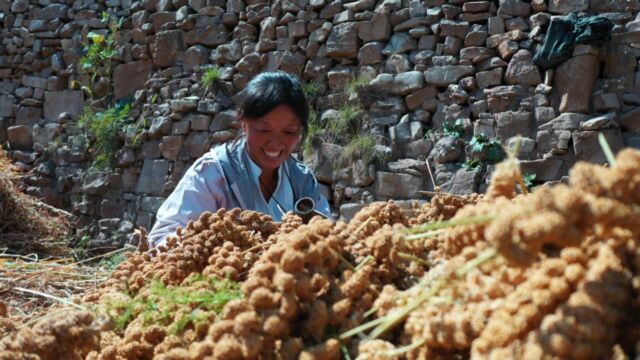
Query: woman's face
column 273, row 137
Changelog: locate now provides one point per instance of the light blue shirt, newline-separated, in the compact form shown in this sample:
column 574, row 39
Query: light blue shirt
column 206, row 187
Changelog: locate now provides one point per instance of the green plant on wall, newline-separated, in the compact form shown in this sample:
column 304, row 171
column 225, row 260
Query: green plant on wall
column 346, row 123
column 210, row 78
column 492, row 150
column 455, row 129
column 313, row 132
column 310, row 90
column 484, row 151
column 103, row 121
column 99, row 52
column 529, row 180
column 356, row 85
column 361, row 146
column 346, row 127
column 105, row 126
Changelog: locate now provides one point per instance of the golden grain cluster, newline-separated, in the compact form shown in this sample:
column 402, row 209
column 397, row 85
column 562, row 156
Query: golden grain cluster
column 551, row 274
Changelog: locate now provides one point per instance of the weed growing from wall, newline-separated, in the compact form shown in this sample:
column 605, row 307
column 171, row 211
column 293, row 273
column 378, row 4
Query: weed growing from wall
column 361, row 146
column 357, row 84
column 99, row 53
column 310, row 90
column 105, row 127
column 103, row 120
column 346, row 123
column 210, row 78
column 455, row 129
column 529, row 180
column 347, row 128
column 484, row 151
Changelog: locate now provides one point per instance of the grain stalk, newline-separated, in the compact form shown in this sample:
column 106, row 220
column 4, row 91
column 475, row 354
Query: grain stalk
column 385, row 323
column 51, row 297
column 414, row 258
column 405, row 349
column 426, row 230
column 604, row 144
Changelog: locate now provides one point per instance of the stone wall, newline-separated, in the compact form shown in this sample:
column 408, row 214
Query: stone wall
column 424, row 64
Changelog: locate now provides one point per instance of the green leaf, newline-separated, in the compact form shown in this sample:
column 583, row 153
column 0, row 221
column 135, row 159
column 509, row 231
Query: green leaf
column 95, row 38
column 494, row 154
column 529, row 180
column 471, row 164
column 454, row 129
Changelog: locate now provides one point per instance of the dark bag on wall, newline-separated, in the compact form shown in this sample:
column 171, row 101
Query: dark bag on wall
column 565, row 32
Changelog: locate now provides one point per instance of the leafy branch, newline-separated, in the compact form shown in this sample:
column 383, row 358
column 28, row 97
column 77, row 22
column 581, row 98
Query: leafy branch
column 100, row 51
column 484, row 151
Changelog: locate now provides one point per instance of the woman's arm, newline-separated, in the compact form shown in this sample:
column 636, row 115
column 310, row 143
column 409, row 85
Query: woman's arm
column 202, row 188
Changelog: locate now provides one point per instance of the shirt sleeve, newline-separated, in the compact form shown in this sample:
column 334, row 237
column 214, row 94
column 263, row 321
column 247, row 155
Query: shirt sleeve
column 322, row 205
column 202, row 188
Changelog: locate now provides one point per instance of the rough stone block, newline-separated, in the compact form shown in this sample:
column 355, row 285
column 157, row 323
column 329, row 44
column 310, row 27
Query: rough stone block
column 171, row 146
column 129, row 77
column 631, row 120
column 574, row 81
column 566, row 121
column 7, row 107
column 400, row 43
column 168, row 48
column 515, row 7
column 196, row 144
column 522, row 71
column 457, row 29
column 544, row 115
column 44, row 135
column 322, row 162
column 152, row 178
column 417, row 98
column 34, row 81
column 20, row 138
column 489, row 78
column 509, row 124
column 587, row 146
column 448, row 74
column 401, row 186
column 463, row 182
column 565, row 7
column 418, row 149
column 547, row 169
column 57, row 102
column 343, row 41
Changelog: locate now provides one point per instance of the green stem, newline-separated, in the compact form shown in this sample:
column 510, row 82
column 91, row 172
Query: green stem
column 424, row 235
column 414, row 258
column 477, row 261
column 345, row 261
column 478, row 219
column 51, row 297
column 364, row 262
column 405, row 349
column 358, row 329
column 606, row 149
column 393, row 319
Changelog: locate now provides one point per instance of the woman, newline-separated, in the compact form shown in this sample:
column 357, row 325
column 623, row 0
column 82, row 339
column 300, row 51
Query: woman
column 255, row 172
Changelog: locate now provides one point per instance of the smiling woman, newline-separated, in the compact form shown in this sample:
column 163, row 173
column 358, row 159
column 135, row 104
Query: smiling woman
column 256, row 171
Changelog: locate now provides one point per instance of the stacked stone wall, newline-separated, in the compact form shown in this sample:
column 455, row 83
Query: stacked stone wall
column 420, row 66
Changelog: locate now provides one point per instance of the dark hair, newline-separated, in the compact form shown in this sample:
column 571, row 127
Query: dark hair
column 269, row 90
